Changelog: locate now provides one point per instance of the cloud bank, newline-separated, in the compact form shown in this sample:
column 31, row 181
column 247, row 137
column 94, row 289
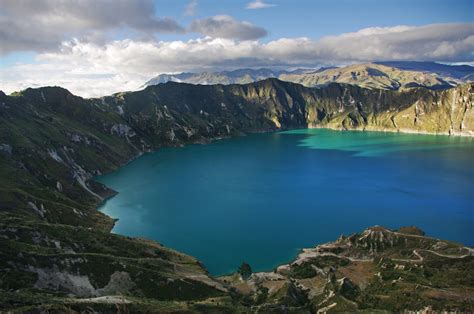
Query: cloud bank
column 94, row 69
column 42, row 25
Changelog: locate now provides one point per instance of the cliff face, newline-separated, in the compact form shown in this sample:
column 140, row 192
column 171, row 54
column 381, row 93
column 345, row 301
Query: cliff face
column 350, row 107
column 446, row 112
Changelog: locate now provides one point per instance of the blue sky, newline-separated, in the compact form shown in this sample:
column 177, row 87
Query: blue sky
column 95, row 47
column 317, row 18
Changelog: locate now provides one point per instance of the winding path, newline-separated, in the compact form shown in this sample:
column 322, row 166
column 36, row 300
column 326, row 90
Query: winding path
column 421, row 258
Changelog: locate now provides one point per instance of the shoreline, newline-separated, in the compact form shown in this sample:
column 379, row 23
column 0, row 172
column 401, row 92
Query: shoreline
column 468, row 134
column 208, row 141
column 307, row 253
column 113, row 193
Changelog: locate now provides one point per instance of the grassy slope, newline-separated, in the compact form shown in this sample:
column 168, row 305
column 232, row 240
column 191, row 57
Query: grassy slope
column 60, row 260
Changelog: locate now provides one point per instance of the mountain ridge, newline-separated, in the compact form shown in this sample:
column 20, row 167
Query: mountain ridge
column 372, row 75
column 399, row 75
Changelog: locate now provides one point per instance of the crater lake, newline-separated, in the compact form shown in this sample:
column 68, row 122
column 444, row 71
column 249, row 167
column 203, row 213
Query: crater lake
column 260, row 198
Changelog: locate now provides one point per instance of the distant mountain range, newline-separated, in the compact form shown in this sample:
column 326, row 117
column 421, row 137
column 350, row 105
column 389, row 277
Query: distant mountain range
column 239, row 76
column 380, row 75
column 461, row 72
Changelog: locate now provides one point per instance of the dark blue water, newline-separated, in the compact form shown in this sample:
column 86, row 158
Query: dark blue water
column 262, row 197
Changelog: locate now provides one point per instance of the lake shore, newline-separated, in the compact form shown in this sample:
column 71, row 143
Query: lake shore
column 208, row 165
column 406, row 131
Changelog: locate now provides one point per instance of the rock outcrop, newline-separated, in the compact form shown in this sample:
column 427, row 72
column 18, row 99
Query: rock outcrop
column 375, row 269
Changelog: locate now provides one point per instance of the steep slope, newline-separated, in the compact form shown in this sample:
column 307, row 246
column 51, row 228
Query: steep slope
column 415, row 110
column 43, row 264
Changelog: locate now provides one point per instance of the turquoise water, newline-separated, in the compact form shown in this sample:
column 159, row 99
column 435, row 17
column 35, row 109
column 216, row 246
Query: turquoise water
column 262, row 197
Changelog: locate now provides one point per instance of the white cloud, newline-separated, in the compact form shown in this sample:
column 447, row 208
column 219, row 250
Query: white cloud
column 94, row 69
column 225, row 26
column 191, row 8
column 42, row 25
column 258, row 4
